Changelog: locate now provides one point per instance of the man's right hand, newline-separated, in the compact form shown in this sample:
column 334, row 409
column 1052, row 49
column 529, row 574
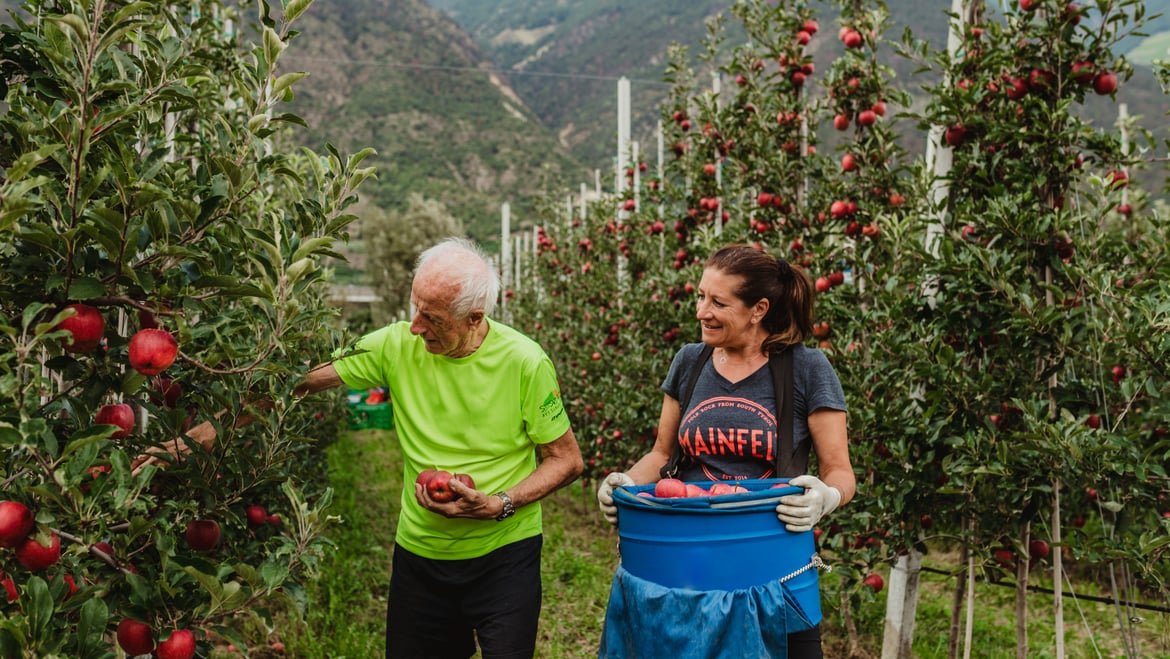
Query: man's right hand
column 605, row 494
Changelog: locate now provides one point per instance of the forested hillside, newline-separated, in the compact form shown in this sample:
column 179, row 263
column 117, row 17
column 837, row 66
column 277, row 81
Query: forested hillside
column 474, row 103
column 563, row 58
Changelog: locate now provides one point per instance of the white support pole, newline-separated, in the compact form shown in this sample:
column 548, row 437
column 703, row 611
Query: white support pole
column 634, row 155
column 584, row 207
column 505, row 246
column 623, row 145
column 597, row 183
column 661, row 181
column 903, row 589
column 901, row 611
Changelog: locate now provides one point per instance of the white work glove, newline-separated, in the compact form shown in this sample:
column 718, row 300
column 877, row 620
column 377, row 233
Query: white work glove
column 801, row 512
column 605, row 494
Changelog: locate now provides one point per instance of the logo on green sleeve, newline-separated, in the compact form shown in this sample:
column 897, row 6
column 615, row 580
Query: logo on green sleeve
column 552, row 407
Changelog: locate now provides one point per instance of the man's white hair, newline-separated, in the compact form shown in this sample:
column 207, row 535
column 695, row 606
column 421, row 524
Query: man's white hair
column 466, row 265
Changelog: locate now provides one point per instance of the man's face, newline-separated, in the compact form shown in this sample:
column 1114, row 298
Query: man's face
column 443, row 333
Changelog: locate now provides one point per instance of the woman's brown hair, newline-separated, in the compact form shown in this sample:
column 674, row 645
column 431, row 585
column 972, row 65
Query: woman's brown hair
column 785, row 286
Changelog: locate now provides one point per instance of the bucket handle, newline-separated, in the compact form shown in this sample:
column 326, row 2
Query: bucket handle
column 814, row 563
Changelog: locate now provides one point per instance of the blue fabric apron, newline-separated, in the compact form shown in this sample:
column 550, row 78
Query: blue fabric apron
column 645, row 620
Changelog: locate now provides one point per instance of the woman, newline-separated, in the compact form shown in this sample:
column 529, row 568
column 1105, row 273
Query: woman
column 751, row 306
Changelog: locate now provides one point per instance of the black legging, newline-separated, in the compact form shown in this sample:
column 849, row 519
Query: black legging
column 805, row 644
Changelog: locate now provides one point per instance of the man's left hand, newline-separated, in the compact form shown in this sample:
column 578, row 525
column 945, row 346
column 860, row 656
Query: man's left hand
column 470, row 502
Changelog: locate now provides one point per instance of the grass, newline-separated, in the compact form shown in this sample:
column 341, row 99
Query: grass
column 345, row 617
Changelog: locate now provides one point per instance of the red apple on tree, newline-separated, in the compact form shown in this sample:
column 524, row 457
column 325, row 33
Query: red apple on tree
column 151, row 351
column 1038, row 550
column 135, row 637
column 874, row 581
column 166, row 391
column 9, row 587
column 1105, row 83
column 955, row 135
column 866, row 118
column 16, row 522
column 86, row 327
column 179, row 645
column 35, row 557
column 202, row 534
column 120, row 415
column 256, row 515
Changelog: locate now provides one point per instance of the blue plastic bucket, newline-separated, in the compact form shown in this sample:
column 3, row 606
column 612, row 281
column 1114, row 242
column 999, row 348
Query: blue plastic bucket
column 729, row 542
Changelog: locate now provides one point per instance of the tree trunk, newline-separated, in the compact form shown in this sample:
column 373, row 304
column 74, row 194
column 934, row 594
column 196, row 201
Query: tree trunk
column 957, row 601
column 850, row 627
column 1022, row 595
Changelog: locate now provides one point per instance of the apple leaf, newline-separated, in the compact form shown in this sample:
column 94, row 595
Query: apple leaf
column 91, row 627
column 39, row 608
column 87, row 436
column 84, row 288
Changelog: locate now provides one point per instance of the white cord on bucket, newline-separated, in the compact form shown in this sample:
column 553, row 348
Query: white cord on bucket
column 814, row 562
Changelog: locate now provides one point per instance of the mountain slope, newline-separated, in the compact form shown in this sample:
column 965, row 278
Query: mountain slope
column 544, row 42
column 402, row 78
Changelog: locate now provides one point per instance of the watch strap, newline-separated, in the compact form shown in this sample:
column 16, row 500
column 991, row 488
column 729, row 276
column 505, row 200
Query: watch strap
column 509, row 509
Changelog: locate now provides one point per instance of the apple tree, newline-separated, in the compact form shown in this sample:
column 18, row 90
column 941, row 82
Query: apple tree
column 160, row 263
column 1027, row 399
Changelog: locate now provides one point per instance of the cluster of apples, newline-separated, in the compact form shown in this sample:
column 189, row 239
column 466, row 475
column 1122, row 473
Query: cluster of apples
column 673, row 488
column 16, row 533
column 438, row 484
column 136, row 638
column 151, row 351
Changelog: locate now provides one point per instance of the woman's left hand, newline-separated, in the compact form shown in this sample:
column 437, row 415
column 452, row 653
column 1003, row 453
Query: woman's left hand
column 801, row 512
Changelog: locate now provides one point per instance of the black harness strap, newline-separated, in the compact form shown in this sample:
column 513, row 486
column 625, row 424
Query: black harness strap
column 789, row 462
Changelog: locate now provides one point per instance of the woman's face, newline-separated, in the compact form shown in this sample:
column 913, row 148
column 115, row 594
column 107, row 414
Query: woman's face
column 726, row 321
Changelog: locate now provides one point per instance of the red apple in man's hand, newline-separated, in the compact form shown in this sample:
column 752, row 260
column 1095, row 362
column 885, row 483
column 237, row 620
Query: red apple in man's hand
column 151, row 351
column 464, row 479
column 86, row 326
column 180, row 645
column 439, row 486
column 202, row 534
column 423, row 476
column 135, row 637
column 670, row 488
column 35, row 557
column 16, row 521
column 119, row 414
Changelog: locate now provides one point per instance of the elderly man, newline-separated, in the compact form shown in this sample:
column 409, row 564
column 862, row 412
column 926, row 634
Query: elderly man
column 474, row 396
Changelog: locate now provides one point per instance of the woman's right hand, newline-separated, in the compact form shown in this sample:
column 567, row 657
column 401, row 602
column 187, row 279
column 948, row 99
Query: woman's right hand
column 605, row 494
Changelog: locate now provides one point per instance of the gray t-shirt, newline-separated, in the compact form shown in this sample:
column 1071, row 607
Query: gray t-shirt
column 729, row 429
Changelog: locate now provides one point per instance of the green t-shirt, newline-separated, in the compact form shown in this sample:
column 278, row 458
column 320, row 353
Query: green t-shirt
column 481, row 415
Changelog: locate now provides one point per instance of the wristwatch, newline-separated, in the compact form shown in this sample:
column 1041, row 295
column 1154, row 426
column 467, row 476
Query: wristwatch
column 509, row 509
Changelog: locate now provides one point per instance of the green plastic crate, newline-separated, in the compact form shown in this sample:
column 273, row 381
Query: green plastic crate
column 363, row 416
